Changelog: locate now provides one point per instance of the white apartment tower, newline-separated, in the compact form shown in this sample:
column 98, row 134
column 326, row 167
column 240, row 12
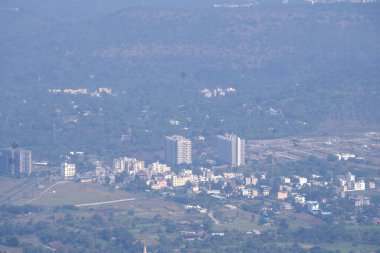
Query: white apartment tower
column 68, row 170
column 178, row 150
column 231, row 149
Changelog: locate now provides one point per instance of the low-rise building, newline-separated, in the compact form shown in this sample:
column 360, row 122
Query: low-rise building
column 182, row 181
column 285, row 180
column 281, row 195
column 359, row 185
column 249, row 193
column 301, row 180
column 361, row 201
column 251, row 180
column 160, row 184
column 299, row 199
column 371, row 185
column 312, row 206
column 265, row 190
column 158, row 168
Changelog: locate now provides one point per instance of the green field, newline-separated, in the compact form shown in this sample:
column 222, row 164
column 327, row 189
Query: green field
column 76, row 193
column 348, row 247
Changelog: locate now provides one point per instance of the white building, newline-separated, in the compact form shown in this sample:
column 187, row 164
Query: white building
column 350, row 180
column 68, row 170
column 301, row 180
column 182, row 181
column 178, row 150
column 285, row 180
column 231, row 149
column 312, row 206
column 158, row 168
column 127, row 164
column 361, row 201
column 359, row 185
column 299, row 199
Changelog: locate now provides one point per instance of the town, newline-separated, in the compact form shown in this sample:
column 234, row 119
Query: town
column 338, row 196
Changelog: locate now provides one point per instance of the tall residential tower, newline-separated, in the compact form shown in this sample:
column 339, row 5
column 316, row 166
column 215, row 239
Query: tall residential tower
column 15, row 162
column 178, row 150
column 231, row 149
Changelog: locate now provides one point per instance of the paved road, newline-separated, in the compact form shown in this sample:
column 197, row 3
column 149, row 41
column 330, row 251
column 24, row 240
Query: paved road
column 105, row 202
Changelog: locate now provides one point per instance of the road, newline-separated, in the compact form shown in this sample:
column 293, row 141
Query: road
column 105, row 202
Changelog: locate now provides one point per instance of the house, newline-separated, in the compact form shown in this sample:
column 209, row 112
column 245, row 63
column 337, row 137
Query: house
column 265, row 190
column 160, row 184
column 312, row 206
column 250, row 193
column 359, row 185
column 281, row 195
column 299, row 199
column 361, row 201
column 371, row 185
column 286, row 206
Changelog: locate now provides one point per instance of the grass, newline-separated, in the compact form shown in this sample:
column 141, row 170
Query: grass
column 347, row 247
column 298, row 220
column 76, row 193
column 8, row 184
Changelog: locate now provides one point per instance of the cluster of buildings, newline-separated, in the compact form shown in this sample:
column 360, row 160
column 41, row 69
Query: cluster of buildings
column 231, row 150
column 83, row 91
column 209, row 93
column 15, row 162
column 349, row 183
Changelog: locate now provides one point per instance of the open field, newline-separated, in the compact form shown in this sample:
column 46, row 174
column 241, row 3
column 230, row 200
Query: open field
column 348, row 247
column 364, row 146
column 76, row 194
column 298, row 220
column 8, row 184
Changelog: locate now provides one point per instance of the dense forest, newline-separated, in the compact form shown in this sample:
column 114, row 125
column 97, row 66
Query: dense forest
column 297, row 69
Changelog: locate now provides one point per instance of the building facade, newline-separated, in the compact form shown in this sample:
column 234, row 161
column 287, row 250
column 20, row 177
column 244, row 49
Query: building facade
column 15, row 162
column 231, row 149
column 178, row 150
column 129, row 164
column 68, row 170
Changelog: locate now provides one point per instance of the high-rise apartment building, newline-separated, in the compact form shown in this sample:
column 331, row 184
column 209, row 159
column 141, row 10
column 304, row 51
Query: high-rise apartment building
column 68, row 170
column 231, row 149
column 15, row 162
column 128, row 164
column 178, row 150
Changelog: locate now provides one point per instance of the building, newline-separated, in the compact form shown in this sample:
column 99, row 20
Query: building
column 231, row 149
column 160, row 184
column 158, row 168
column 361, row 201
column 359, row 185
column 68, row 170
column 299, row 199
column 350, row 180
column 265, row 190
column 281, row 195
column 301, row 180
column 178, row 150
column 312, row 206
column 15, row 162
column 371, row 185
column 251, row 180
column 128, row 164
column 250, row 193
column 181, row 181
